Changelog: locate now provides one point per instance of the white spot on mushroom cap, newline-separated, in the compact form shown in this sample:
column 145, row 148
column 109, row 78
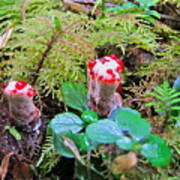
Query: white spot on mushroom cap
column 101, row 68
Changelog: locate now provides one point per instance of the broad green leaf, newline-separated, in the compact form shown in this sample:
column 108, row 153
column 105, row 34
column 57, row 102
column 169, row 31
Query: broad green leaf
column 156, row 151
column 104, row 131
column 130, row 121
column 133, row 111
column 89, row 116
column 125, row 143
column 66, row 122
column 75, row 95
column 61, row 148
column 72, row 146
column 82, row 141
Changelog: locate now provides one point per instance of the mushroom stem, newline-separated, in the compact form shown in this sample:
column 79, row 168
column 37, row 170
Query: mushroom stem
column 22, row 111
column 102, row 98
column 103, row 80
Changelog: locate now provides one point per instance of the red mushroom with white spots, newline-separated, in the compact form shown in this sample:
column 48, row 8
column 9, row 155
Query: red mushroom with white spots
column 22, row 110
column 18, row 88
column 104, row 79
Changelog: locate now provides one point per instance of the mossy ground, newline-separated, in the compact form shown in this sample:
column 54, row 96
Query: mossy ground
column 50, row 45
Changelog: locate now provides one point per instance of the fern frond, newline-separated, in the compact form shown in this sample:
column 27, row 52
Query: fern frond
column 167, row 101
column 49, row 157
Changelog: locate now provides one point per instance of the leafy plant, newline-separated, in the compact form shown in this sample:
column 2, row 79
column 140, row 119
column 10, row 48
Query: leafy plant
column 42, row 52
column 167, row 101
column 13, row 131
column 142, row 7
column 54, row 45
column 124, row 127
column 70, row 97
column 69, row 52
column 49, row 157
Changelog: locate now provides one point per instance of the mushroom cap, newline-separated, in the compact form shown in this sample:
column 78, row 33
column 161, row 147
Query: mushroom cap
column 18, row 88
column 107, row 69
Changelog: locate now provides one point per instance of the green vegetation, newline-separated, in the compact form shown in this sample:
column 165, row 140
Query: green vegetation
column 168, row 104
column 51, row 45
column 74, row 135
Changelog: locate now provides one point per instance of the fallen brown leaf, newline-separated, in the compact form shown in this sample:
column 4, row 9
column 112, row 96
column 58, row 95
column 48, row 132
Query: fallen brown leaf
column 124, row 162
column 21, row 171
column 5, row 37
column 4, row 165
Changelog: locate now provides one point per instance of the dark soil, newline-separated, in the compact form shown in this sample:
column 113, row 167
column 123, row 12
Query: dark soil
column 25, row 150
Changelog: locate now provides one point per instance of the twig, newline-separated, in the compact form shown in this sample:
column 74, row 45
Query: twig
column 167, row 17
column 43, row 57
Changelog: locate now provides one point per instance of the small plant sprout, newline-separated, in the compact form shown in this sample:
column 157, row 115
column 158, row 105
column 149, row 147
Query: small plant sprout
column 104, row 79
column 22, row 110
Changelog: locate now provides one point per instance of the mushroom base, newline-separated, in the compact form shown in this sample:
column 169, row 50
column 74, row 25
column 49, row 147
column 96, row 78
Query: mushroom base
column 103, row 98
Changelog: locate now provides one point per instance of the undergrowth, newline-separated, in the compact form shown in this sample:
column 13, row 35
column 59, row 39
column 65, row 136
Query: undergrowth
column 49, row 157
column 50, row 46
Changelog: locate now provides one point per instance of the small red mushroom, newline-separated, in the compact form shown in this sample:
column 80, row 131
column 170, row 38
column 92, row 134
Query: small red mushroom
column 104, row 80
column 107, row 69
column 18, row 88
column 22, row 110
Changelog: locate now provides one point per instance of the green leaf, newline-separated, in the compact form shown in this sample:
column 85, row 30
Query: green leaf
column 56, row 23
column 82, row 141
column 156, row 151
column 147, row 3
column 124, row 6
column 98, row 3
column 175, row 101
column 89, row 116
column 125, row 143
column 130, row 120
column 175, row 95
column 13, row 131
column 157, row 96
column 104, row 131
column 75, row 95
column 133, row 111
column 72, row 146
column 61, row 148
column 154, row 104
column 66, row 122
column 149, row 18
column 113, row 9
column 154, row 13
column 129, row 5
column 176, row 108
